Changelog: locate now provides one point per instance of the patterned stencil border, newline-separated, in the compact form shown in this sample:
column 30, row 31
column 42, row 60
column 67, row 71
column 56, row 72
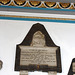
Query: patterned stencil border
column 37, row 4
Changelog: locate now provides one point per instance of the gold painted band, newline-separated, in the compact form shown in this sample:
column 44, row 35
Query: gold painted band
column 37, row 17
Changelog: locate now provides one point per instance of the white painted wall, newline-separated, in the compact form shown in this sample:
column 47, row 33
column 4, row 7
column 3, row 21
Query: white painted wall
column 13, row 32
column 37, row 14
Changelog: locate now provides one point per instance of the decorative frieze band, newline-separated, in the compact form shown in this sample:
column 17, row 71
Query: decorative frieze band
column 37, row 4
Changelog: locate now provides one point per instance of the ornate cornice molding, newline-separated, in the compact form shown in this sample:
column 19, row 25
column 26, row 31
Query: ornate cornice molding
column 37, row 4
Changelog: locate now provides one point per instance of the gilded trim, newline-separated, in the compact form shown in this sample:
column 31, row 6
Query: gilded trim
column 38, row 4
column 37, row 17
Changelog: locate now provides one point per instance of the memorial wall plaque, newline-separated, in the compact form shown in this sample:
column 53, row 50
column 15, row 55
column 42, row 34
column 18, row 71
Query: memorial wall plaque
column 38, row 52
column 1, row 63
column 72, row 68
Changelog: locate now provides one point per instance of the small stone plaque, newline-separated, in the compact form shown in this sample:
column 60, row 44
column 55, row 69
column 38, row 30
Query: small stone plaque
column 38, row 52
column 1, row 63
column 72, row 68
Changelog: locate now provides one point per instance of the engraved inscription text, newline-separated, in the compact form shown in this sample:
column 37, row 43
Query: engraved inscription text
column 38, row 56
